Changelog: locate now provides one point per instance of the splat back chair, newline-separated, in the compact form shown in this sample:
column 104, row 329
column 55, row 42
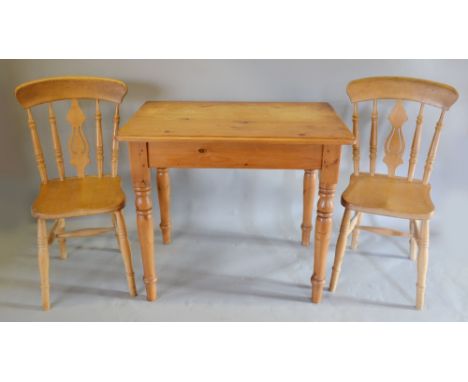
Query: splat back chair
column 387, row 194
column 83, row 194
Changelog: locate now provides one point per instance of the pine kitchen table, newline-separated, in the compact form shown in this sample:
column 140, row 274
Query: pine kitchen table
column 251, row 135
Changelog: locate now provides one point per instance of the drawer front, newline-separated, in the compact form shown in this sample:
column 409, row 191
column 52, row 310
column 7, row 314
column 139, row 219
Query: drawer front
column 234, row 155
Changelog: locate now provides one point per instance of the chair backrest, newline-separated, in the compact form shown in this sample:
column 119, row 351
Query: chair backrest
column 399, row 89
column 50, row 90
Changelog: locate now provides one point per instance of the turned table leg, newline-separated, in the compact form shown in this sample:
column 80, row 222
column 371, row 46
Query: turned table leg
column 141, row 179
column 310, row 179
column 323, row 225
column 164, row 197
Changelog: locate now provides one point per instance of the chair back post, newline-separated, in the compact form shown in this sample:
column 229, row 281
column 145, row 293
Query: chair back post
column 416, row 144
column 433, row 148
column 115, row 142
column 38, row 153
column 99, row 144
column 56, row 142
column 373, row 138
column 356, row 145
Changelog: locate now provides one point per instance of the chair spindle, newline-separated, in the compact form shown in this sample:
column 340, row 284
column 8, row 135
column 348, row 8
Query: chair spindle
column 416, row 144
column 433, row 148
column 37, row 148
column 356, row 148
column 115, row 142
column 99, row 144
column 56, row 142
column 373, row 138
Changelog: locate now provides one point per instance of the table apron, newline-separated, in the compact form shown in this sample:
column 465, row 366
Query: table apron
column 270, row 155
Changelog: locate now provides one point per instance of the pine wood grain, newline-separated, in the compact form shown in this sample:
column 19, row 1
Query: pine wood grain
column 78, row 197
column 382, row 195
column 158, row 121
column 222, row 154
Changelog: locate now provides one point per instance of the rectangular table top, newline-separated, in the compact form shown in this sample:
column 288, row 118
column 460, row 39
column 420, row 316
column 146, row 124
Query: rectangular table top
column 285, row 122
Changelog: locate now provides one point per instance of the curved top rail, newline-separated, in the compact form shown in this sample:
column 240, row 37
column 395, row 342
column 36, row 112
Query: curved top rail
column 402, row 88
column 53, row 89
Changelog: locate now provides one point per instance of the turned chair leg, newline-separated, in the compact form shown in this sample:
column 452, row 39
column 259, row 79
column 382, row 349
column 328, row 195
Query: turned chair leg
column 122, row 238
column 62, row 241
column 43, row 260
column 309, row 189
column 164, row 197
column 423, row 256
column 340, row 249
column 355, row 234
column 412, row 240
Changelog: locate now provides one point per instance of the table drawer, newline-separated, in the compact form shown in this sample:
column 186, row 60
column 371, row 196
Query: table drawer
column 234, row 155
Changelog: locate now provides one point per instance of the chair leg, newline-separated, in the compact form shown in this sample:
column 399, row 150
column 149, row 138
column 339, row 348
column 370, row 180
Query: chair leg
column 309, row 189
column 412, row 241
column 423, row 256
column 355, row 234
column 164, row 198
column 62, row 241
column 43, row 260
column 122, row 238
column 340, row 249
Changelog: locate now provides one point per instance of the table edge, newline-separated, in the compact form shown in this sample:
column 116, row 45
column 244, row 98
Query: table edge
column 291, row 140
column 311, row 141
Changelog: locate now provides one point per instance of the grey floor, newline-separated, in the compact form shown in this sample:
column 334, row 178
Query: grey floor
column 227, row 262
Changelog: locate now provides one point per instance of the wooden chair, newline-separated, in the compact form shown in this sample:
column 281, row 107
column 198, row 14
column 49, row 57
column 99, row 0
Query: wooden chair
column 387, row 194
column 81, row 195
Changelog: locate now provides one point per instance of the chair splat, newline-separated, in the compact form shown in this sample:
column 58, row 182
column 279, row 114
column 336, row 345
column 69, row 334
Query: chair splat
column 395, row 142
column 56, row 142
column 78, row 144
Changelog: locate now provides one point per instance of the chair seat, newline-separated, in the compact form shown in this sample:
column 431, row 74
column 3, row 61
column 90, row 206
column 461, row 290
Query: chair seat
column 390, row 196
column 78, row 197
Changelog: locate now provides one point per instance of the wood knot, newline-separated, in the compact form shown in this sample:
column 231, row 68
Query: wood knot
column 202, row 150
